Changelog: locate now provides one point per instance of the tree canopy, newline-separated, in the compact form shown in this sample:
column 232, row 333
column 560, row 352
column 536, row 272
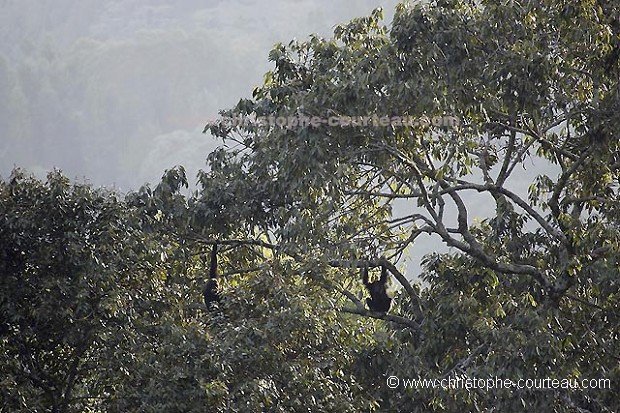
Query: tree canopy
column 527, row 290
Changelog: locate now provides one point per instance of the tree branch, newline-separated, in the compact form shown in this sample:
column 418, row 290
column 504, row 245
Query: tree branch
column 382, row 316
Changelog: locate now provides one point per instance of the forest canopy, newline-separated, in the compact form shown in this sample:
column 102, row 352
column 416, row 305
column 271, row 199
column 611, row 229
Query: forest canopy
column 103, row 293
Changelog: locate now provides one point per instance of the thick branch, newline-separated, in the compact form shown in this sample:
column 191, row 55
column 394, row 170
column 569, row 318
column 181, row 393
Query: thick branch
column 503, row 173
column 472, row 247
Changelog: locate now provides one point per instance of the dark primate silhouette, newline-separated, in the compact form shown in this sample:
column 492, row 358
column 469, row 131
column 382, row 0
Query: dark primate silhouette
column 379, row 301
column 211, row 292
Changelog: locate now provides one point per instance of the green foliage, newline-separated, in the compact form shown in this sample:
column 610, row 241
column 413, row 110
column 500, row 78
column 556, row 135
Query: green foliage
column 103, row 295
column 535, row 81
column 278, row 349
column 73, row 265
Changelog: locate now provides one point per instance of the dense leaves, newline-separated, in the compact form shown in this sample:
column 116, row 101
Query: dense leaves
column 533, row 83
column 74, row 267
column 103, row 295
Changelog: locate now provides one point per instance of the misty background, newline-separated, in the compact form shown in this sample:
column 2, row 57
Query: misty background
column 114, row 92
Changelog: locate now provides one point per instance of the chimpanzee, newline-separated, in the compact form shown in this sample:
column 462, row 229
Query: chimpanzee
column 379, row 300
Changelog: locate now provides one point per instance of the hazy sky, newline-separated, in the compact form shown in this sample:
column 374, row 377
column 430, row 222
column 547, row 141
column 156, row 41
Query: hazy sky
column 116, row 91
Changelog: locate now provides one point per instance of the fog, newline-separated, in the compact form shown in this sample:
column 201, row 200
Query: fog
column 114, row 92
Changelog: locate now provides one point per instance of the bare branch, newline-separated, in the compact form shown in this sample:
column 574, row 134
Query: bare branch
column 463, row 185
column 384, row 194
column 401, row 279
column 382, row 316
column 232, row 242
column 563, row 181
column 503, row 173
